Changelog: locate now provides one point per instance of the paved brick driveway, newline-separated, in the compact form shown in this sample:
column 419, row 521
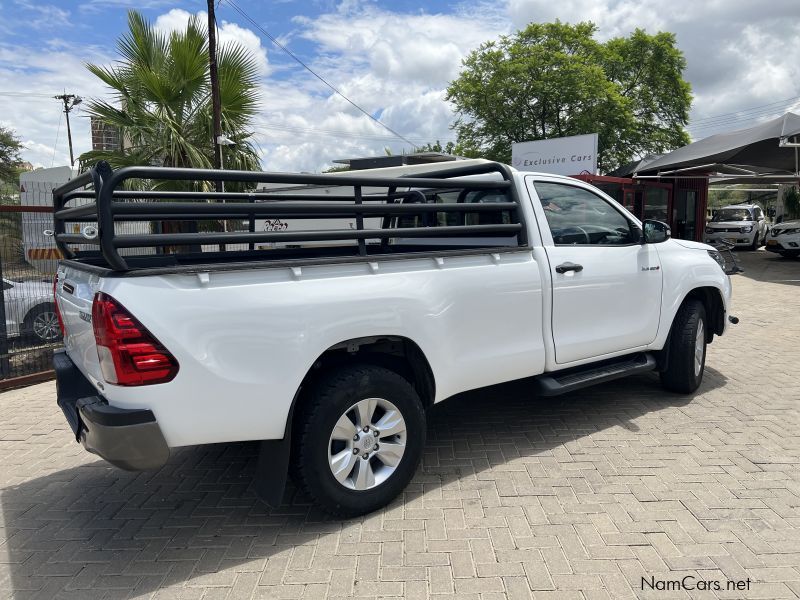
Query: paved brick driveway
column 578, row 497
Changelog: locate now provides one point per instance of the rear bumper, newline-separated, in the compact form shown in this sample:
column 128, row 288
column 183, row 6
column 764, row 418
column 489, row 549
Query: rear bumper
column 127, row 438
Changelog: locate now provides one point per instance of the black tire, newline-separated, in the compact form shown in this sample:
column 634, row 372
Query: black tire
column 34, row 331
column 755, row 245
column 681, row 374
column 325, row 403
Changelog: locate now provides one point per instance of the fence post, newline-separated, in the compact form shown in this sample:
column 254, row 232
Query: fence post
column 5, row 369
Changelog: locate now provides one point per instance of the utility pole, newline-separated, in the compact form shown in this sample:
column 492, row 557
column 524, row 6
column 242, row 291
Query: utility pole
column 70, row 101
column 216, row 106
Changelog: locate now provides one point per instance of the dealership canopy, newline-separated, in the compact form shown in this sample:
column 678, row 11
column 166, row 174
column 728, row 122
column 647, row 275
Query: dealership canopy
column 768, row 150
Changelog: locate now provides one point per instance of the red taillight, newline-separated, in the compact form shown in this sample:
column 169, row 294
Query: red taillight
column 58, row 310
column 128, row 353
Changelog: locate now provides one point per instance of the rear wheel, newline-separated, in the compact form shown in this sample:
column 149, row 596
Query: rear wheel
column 687, row 349
column 361, row 439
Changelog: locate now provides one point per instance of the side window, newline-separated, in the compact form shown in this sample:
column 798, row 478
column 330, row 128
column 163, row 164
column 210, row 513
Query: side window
column 577, row 216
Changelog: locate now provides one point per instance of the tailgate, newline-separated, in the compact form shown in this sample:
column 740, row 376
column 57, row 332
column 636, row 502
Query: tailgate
column 75, row 290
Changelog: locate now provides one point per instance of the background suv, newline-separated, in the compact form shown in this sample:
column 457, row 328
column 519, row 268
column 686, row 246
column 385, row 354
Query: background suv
column 785, row 239
column 742, row 225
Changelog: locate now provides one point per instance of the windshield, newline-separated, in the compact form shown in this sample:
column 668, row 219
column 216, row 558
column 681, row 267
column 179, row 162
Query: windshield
column 733, row 214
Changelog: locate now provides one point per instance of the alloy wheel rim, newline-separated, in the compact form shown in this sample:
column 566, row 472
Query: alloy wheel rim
column 45, row 326
column 367, row 444
column 699, row 348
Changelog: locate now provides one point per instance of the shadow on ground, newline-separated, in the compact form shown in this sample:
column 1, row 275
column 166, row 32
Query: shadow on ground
column 93, row 527
column 769, row 267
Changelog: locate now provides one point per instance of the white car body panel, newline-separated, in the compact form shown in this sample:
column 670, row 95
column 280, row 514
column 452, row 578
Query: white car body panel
column 245, row 343
column 594, row 313
column 784, row 237
column 21, row 298
column 245, row 339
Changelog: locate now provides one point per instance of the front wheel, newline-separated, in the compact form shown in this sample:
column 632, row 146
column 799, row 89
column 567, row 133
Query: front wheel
column 687, row 349
column 361, row 436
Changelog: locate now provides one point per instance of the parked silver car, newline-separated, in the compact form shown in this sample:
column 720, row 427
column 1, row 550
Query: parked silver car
column 30, row 312
column 741, row 225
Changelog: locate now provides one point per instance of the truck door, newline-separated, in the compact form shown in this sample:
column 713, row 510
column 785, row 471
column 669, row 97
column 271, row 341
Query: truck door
column 606, row 284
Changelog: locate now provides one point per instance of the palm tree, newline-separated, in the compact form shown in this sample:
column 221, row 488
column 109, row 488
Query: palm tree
column 162, row 99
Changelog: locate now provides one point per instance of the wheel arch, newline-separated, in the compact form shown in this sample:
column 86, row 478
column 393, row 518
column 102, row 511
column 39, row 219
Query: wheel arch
column 40, row 305
column 397, row 353
column 712, row 301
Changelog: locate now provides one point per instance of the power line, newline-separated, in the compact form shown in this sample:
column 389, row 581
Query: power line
column 773, row 109
column 297, row 59
column 745, row 111
column 741, row 119
column 24, row 95
column 55, row 145
column 741, row 122
column 342, row 133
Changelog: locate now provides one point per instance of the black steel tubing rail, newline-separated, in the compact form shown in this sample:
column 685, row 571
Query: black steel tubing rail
column 178, row 174
column 114, row 205
column 185, row 239
column 248, row 196
column 180, row 210
column 92, row 177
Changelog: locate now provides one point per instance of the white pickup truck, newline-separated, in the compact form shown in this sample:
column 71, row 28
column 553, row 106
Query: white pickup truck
column 328, row 344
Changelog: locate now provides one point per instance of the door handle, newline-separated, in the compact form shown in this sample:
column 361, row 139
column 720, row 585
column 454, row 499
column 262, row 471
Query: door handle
column 568, row 266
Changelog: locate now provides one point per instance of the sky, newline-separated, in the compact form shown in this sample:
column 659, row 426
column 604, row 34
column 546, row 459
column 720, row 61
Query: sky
column 392, row 59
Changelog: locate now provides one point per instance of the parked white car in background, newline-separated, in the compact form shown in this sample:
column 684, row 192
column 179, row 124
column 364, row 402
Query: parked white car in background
column 30, row 311
column 742, row 225
column 784, row 239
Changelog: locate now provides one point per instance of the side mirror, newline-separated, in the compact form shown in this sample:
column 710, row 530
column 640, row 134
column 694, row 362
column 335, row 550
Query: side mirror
column 656, row 232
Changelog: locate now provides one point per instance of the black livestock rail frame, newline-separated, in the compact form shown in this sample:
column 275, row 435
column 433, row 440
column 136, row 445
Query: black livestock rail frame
column 184, row 201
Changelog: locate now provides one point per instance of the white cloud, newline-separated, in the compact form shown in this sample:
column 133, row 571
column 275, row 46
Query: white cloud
column 229, row 33
column 43, row 16
column 397, row 65
column 45, row 72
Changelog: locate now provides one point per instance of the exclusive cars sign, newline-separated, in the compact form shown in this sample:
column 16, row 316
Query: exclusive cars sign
column 571, row 155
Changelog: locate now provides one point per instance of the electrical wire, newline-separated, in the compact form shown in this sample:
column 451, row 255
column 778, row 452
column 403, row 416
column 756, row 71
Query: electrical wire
column 752, row 109
column 745, row 119
column 339, row 133
column 299, row 61
column 742, row 123
column 55, row 145
column 25, row 95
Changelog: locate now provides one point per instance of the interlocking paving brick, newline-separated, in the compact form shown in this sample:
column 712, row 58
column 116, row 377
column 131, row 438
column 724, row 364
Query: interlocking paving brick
column 574, row 497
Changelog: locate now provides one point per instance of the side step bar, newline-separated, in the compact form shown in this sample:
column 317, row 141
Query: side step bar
column 561, row 382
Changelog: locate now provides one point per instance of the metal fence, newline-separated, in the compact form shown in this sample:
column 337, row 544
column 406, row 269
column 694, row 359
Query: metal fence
column 29, row 328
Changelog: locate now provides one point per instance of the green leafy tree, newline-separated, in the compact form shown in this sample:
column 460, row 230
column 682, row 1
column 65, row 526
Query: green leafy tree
column 162, row 99
column 9, row 155
column 554, row 79
column 448, row 148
